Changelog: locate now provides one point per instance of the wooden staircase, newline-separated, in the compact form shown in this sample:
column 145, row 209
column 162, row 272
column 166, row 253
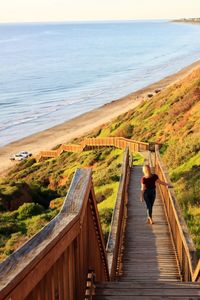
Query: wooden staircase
column 150, row 268
column 148, row 251
column 147, row 262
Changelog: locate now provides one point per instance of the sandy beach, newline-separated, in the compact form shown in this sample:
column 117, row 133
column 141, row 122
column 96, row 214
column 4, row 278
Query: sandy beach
column 84, row 123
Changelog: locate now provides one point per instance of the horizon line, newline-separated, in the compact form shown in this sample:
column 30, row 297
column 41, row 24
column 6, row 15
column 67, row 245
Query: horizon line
column 86, row 21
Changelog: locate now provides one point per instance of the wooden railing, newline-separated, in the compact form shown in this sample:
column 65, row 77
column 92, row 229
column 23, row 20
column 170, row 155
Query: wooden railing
column 89, row 143
column 54, row 264
column 186, row 252
column 118, row 142
column 116, row 236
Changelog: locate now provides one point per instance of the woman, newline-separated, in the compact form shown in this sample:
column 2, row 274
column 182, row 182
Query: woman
column 148, row 190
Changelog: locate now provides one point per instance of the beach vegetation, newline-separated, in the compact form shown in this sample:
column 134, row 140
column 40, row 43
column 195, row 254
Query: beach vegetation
column 28, row 210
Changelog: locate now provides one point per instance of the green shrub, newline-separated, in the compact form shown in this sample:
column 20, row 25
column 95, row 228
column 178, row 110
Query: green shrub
column 35, row 224
column 15, row 241
column 42, row 194
column 163, row 148
column 115, row 178
column 106, row 215
column 9, row 227
column 105, row 219
column 10, row 190
column 29, row 162
column 9, row 216
column 102, row 195
column 28, row 210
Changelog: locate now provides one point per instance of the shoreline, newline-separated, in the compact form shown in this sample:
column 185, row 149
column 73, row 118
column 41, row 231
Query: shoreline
column 86, row 122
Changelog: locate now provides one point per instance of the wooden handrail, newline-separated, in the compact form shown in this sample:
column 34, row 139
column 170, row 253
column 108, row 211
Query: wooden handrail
column 186, row 252
column 119, row 142
column 196, row 273
column 54, row 264
column 116, row 235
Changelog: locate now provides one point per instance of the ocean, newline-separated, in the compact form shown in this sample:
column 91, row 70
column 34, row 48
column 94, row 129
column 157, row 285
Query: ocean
column 52, row 72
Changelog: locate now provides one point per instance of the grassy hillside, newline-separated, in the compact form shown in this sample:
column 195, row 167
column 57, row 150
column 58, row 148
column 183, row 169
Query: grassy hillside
column 171, row 118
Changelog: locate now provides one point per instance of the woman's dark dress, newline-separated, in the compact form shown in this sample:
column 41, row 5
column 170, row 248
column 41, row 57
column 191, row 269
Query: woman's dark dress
column 149, row 192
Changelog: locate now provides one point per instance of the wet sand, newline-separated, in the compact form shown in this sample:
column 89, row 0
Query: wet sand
column 86, row 122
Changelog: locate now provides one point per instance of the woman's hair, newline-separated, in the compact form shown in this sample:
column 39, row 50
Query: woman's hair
column 146, row 170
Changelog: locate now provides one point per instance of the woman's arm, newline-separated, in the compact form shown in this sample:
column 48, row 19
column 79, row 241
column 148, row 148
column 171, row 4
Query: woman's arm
column 164, row 183
column 142, row 192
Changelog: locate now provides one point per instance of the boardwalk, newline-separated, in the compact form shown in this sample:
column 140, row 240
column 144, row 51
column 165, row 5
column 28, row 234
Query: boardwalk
column 150, row 268
column 148, row 248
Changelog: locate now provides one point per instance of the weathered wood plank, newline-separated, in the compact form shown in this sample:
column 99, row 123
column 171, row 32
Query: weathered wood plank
column 143, row 285
column 150, row 292
column 145, row 298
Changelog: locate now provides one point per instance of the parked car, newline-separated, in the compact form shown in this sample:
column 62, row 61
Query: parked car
column 25, row 153
column 20, row 156
column 17, row 157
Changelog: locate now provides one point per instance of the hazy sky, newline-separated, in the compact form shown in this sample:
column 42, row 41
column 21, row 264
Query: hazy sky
column 69, row 10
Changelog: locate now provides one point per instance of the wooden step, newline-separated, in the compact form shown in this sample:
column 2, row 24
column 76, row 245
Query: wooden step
column 140, row 297
column 147, row 290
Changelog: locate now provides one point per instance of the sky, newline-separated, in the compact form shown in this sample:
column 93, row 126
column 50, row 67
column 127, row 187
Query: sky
column 89, row 10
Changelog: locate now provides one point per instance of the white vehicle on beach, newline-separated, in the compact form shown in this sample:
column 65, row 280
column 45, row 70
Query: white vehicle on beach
column 25, row 153
column 20, row 156
column 17, row 157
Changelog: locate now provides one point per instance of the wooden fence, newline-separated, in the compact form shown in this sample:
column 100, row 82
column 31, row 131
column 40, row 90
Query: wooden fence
column 88, row 143
column 55, row 263
column 118, row 224
column 186, row 252
column 118, row 142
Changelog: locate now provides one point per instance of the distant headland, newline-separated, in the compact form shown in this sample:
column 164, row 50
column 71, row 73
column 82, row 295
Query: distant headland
column 188, row 20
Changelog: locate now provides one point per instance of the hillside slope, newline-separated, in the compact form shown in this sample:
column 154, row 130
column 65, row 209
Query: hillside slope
column 171, row 118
